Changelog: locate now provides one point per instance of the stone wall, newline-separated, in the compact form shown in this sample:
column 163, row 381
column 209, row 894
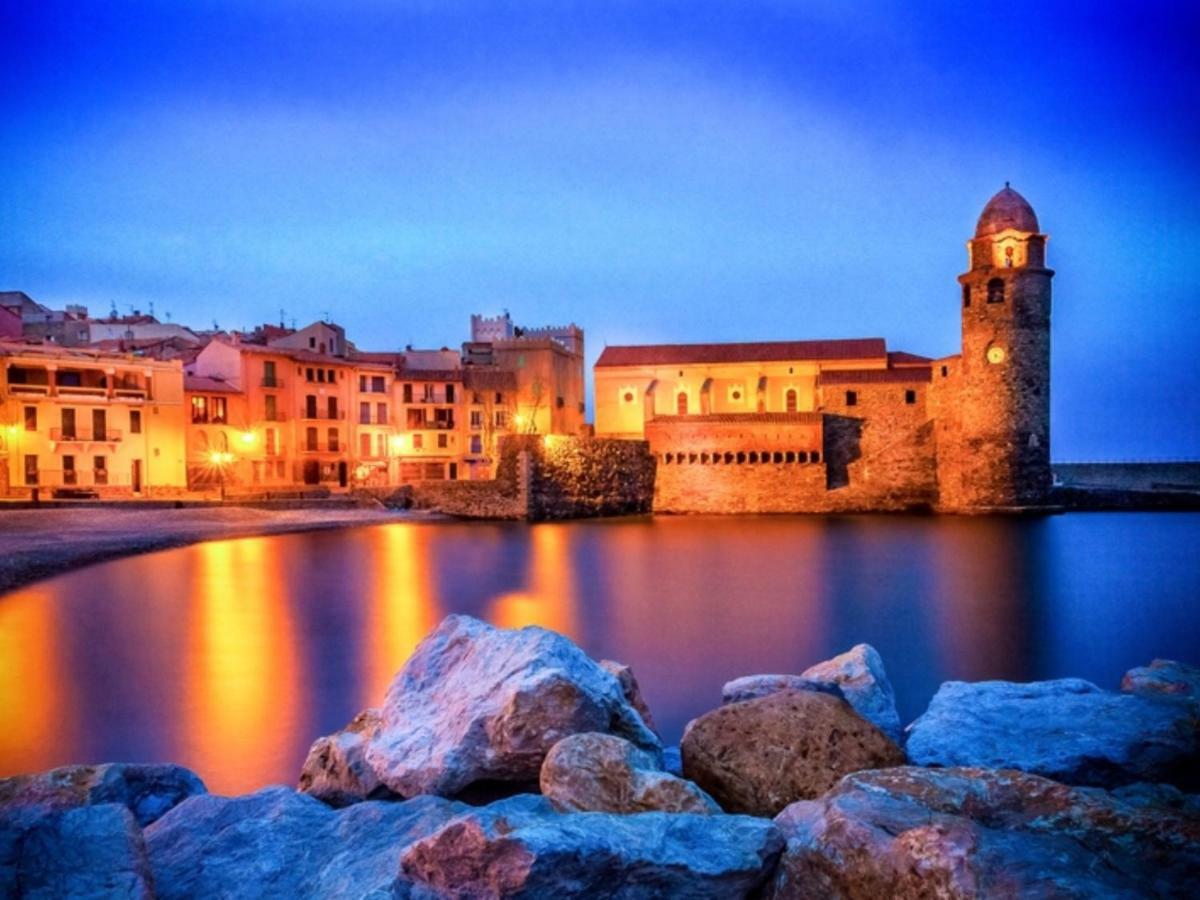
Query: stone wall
column 540, row 477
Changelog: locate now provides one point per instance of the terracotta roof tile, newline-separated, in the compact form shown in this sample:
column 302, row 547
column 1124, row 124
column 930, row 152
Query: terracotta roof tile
column 764, row 351
column 206, row 385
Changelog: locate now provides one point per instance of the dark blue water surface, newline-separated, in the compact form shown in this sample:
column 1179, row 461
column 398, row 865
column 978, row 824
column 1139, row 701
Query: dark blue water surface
column 232, row 656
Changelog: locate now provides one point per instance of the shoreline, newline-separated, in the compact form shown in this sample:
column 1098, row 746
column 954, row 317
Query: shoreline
column 39, row 543
column 45, row 543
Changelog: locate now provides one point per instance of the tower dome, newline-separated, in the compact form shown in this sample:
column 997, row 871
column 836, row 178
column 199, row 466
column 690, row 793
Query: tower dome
column 1007, row 209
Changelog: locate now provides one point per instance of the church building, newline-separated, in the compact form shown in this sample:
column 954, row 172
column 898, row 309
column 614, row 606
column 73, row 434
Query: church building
column 842, row 425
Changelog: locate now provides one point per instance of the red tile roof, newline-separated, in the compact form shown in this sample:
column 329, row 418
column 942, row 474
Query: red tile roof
column 765, row 351
column 202, row 384
column 901, row 358
column 906, row 375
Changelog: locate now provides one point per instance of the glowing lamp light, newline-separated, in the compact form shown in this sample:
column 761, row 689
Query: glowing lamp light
column 397, row 443
column 219, row 459
column 519, row 420
column 247, row 437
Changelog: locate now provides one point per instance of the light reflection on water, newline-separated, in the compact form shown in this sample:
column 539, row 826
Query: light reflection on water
column 231, row 656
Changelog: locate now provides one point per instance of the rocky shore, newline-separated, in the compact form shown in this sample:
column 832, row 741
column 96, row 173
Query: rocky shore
column 507, row 763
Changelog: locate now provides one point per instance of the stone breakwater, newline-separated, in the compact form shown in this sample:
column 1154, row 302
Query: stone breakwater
column 507, row 763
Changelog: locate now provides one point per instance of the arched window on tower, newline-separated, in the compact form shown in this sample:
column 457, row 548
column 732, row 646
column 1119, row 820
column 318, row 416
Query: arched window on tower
column 966, row 295
column 790, row 399
column 681, row 403
column 996, row 290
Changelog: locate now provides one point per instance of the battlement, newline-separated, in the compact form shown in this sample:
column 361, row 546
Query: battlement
column 494, row 329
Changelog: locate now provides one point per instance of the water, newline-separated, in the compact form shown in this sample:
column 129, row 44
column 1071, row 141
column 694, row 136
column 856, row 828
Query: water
column 231, row 657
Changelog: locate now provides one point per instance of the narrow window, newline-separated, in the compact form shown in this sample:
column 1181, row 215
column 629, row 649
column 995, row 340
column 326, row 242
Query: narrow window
column 31, row 419
column 100, row 470
column 69, row 470
column 945, row 371
column 362, row 383
column 381, row 415
column 790, row 456
column 135, row 421
column 333, row 439
column 966, row 295
column 364, row 414
column 995, row 290
column 449, row 393
column 814, row 456
column 308, row 375
column 364, row 445
column 910, row 397
column 681, row 403
column 418, row 441
column 443, row 441
column 408, row 393
column 311, row 436
column 852, row 398
column 791, row 400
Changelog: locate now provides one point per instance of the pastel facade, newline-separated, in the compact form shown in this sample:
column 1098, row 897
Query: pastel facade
column 80, row 420
column 847, row 425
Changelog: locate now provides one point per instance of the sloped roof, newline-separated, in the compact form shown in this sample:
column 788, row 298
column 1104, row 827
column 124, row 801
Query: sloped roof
column 203, row 384
column 764, row 351
column 901, row 358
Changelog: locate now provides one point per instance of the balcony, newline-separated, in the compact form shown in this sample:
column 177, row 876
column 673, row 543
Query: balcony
column 129, row 393
column 323, row 414
column 271, row 383
column 85, row 436
column 41, row 390
column 82, row 390
column 275, row 417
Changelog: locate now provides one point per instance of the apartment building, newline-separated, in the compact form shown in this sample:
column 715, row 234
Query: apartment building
column 79, row 420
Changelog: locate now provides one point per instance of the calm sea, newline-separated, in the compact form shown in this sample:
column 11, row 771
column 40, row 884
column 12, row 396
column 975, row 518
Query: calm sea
column 230, row 657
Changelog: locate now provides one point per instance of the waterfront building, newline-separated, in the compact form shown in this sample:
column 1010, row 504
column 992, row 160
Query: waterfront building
column 80, row 420
column 790, row 426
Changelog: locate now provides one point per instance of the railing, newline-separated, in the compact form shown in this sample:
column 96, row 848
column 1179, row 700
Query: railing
column 377, row 420
column 275, row 417
column 83, row 390
column 272, row 382
column 82, row 435
column 323, row 414
column 29, row 388
column 131, row 393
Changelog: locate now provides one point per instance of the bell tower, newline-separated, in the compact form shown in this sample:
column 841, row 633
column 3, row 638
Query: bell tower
column 1001, row 451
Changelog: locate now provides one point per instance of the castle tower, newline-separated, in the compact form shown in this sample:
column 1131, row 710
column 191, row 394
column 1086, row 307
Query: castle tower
column 1001, row 453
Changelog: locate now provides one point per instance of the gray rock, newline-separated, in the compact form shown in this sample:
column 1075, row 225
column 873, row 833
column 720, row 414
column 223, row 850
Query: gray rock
column 477, row 706
column 524, row 851
column 909, row 833
column 864, row 683
column 336, row 769
column 602, row 773
column 1069, row 730
column 147, row 791
column 673, row 760
column 83, row 852
column 279, row 843
column 1163, row 676
column 751, row 687
column 630, row 688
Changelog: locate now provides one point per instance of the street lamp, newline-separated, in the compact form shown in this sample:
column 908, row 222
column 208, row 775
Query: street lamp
column 221, row 460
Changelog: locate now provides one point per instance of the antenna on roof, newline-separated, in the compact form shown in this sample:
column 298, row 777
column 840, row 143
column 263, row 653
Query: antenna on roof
column 281, row 325
column 216, row 327
column 151, row 308
column 112, row 311
column 1006, row 184
column 325, row 315
column 293, row 323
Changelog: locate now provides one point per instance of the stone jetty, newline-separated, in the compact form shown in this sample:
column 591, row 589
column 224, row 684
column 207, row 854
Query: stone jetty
column 507, row 763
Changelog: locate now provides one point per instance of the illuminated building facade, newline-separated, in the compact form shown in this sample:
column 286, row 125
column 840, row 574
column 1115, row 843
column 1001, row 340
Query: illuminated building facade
column 794, row 426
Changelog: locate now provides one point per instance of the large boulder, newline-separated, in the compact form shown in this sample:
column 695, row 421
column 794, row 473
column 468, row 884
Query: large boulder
column 279, row 843
column 1163, row 677
column 759, row 755
column 909, row 833
column 89, row 851
column 147, row 791
column 1069, row 730
column 857, row 676
column 519, row 848
column 630, row 688
column 602, row 773
column 864, row 683
column 476, row 707
column 336, row 770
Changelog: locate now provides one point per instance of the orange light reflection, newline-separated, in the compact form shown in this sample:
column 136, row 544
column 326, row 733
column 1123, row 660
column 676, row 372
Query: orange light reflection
column 551, row 600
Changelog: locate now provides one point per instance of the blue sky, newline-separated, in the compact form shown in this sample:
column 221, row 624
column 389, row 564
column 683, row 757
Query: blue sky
column 652, row 171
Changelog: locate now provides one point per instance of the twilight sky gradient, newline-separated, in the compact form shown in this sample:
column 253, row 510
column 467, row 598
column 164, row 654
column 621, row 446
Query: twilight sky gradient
column 653, row 171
